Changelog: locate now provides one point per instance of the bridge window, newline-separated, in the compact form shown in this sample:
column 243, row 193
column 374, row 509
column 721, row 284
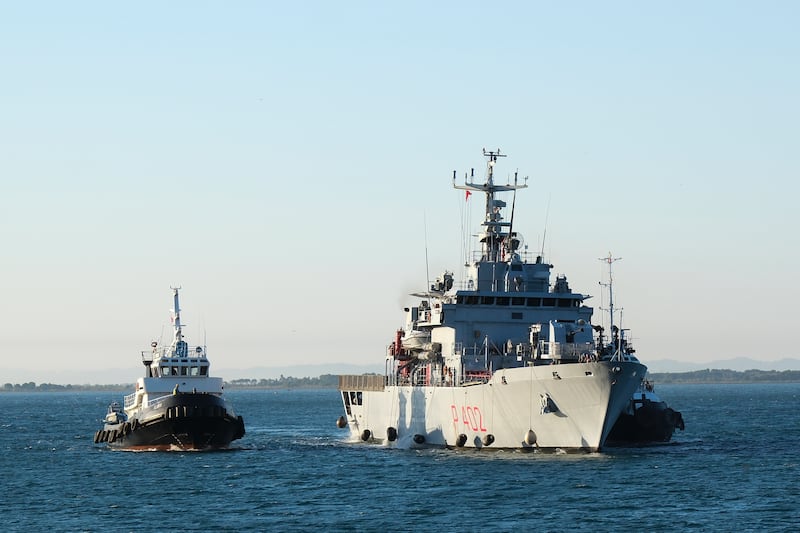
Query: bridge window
column 502, row 301
column 487, row 300
column 534, row 302
column 517, row 301
column 548, row 302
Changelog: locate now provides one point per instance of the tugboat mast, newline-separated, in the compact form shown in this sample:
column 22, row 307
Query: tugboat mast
column 178, row 346
column 610, row 260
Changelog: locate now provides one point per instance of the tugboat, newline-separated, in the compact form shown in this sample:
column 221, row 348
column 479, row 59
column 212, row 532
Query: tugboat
column 647, row 419
column 176, row 405
column 503, row 360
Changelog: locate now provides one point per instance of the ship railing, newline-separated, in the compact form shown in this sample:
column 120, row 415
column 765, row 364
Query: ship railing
column 569, row 351
column 180, row 351
column 130, row 400
column 525, row 256
column 362, row 382
column 475, row 376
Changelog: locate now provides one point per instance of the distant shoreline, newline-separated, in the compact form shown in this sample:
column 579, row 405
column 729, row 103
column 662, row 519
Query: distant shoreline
column 331, row 381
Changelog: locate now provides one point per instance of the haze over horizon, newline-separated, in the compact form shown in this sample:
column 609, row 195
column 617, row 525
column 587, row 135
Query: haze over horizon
column 114, row 376
column 290, row 167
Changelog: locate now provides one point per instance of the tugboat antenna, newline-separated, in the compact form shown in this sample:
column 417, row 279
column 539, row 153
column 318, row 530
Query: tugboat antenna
column 544, row 233
column 176, row 317
column 610, row 260
column 427, row 268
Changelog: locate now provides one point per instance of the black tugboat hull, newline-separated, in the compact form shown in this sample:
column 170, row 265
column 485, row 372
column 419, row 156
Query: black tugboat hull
column 652, row 422
column 177, row 422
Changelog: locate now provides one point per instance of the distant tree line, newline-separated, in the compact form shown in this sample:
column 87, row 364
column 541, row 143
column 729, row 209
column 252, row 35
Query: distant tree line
column 727, row 376
column 325, row 381
column 331, row 381
column 53, row 387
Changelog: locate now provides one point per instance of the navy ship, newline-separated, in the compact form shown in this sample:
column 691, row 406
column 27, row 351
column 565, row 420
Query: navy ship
column 504, row 359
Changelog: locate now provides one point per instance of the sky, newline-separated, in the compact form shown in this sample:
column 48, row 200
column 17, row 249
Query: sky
column 289, row 165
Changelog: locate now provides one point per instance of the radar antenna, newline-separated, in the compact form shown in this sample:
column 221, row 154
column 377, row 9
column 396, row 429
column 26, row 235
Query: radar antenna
column 610, row 261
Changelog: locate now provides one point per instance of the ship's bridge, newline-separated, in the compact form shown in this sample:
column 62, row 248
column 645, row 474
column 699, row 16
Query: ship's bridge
column 180, row 360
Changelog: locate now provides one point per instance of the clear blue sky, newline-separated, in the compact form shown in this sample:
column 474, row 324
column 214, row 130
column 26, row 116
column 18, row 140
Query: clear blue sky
column 286, row 163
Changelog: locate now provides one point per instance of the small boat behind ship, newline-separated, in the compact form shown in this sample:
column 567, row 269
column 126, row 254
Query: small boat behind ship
column 647, row 420
column 176, row 405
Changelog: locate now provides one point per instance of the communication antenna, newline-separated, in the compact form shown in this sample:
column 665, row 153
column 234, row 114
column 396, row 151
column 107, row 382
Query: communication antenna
column 427, row 269
column 544, row 235
column 610, row 261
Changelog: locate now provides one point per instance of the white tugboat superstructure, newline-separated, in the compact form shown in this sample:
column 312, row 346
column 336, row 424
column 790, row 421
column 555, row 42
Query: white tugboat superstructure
column 504, row 360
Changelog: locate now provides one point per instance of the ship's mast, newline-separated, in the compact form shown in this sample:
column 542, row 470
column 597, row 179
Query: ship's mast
column 611, row 260
column 493, row 237
column 176, row 318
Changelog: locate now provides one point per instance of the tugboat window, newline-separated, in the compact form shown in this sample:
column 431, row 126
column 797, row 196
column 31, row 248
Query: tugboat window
column 203, row 370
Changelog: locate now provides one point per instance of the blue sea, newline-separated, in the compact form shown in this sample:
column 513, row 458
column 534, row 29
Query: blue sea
column 734, row 468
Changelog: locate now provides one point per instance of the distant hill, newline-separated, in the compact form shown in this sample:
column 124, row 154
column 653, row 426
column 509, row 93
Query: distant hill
column 739, row 364
column 728, row 376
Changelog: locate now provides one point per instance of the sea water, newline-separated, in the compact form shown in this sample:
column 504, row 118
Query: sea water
column 734, row 468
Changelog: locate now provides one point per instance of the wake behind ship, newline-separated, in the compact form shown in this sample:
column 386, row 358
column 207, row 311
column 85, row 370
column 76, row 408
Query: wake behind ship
column 176, row 405
column 505, row 360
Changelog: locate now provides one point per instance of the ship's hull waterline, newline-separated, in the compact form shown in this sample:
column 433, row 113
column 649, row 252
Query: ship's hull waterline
column 177, row 422
column 567, row 406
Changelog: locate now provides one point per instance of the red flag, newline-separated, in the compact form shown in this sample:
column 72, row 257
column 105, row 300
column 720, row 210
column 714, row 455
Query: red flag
column 466, row 197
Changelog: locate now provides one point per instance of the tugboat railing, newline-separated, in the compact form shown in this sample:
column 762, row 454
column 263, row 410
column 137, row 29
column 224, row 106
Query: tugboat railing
column 130, row 400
